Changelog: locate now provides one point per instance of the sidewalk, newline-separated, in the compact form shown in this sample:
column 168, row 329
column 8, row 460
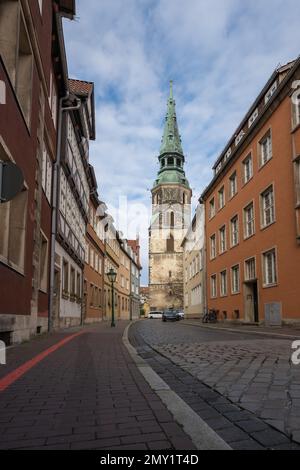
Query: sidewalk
column 287, row 332
column 88, row 394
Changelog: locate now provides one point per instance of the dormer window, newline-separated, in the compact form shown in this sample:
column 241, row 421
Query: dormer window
column 271, row 92
column 239, row 137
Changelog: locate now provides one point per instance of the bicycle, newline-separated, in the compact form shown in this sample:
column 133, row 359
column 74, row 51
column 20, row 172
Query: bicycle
column 210, row 316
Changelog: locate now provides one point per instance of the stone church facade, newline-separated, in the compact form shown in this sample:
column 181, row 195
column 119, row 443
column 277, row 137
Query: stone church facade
column 171, row 216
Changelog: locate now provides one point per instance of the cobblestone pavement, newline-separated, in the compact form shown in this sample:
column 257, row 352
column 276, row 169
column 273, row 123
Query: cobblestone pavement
column 86, row 395
column 251, row 372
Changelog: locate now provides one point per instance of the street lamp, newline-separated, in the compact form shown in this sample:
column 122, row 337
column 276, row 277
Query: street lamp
column 112, row 276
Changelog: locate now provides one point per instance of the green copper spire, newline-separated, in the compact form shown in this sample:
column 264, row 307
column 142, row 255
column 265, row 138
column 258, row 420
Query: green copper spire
column 171, row 141
column 171, row 158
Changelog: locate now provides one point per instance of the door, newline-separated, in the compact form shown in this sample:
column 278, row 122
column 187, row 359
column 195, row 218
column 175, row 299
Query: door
column 251, row 302
column 255, row 302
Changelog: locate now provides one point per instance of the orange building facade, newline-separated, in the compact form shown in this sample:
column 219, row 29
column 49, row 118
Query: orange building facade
column 252, row 211
column 93, row 286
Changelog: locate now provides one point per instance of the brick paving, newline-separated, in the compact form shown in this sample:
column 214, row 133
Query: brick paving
column 243, row 386
column 86, row 395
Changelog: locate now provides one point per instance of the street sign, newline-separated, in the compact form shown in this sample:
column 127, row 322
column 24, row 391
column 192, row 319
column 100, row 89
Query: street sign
column 11, row 181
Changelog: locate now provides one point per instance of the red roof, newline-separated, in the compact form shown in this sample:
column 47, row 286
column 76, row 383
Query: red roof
column 135, row 245
column 79, row 87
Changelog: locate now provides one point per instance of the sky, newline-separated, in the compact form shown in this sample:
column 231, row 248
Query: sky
column 219, row 53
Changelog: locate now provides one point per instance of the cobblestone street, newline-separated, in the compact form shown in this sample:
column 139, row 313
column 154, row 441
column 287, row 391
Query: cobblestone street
column 253, row 372
column 88, row 394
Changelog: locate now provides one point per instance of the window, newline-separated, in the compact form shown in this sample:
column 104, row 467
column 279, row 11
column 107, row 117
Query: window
column 270, row 92
column 47, row 173
column 267, row 207
column 249, row 220
column 296, row 109
column 196, row 295
column 13, row 216
column 269, row 268
column 223, row 283
column 213, row 286
column 253, row 118
column 170, row 161
column 239, row 137
column 160, row 221
column 221, row 195
column 234, row 223
column 250, row 269
column 65, row 277
column 235, row 279
column 170, row 244
column 213, row 247
column 265, row 148
column 16, row 51
column 222, row 235
column 72, row 279
column 172, row 220
column 43, row 277
column 233, row 184
column 247, row 169
column 212, row 208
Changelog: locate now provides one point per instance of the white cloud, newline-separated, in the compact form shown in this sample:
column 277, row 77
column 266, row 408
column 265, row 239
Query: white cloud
column 219, row 53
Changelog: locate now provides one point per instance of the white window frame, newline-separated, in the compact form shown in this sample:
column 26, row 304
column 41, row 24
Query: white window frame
column 221, row 198
column 265, row 152
column 212, row 208
column 247, row 175
column 239, row 137
column 273, row 280
column 213, row 246
column 234, row 234
column 247, row 222
column 223, row 286
column 253, row 118
column 246, row 270
column 222, row 240
column 296, row 109
column 213, row 286
column 235, row 287
column 271, row 92
column 233, row 189
column 265, row 210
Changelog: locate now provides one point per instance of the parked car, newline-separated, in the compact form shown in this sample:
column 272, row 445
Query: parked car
column 181, row 314
column 156, row 314
column 170, row 315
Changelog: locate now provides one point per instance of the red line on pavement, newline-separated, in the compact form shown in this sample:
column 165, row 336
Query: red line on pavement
column 10, row 378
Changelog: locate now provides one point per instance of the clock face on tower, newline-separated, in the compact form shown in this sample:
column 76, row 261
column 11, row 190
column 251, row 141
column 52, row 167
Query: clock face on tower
column 171, row 195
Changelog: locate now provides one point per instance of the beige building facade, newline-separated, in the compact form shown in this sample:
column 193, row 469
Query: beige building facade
column 194, row 266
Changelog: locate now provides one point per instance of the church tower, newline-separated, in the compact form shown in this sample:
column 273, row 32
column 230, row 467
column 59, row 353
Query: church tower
column 171, row 217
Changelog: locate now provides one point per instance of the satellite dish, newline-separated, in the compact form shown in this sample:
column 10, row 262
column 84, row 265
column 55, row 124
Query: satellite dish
column 11, row 181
